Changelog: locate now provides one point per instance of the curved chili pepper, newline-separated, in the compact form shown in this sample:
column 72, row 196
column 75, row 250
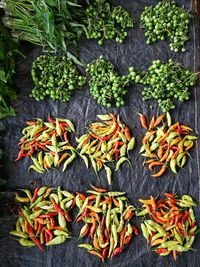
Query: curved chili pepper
column 107, row 235
column 81, row 196
column 51, row 120
column 157, row 219
column 104, row 252
column 117, row 251
column 143, row 121
column 128, row 239
column 52, row 222
column 122, row 235
column 57, row 207
column 49, row 233
column 20, row 155
column 103, row 222
column 86, row 231
column 67, row 217
column 37, row 242
column 100, row 190
column 135, row 230
column 35, row 194
column 39, row 229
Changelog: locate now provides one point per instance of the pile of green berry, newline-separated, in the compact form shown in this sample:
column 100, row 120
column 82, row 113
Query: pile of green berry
column 102, row 22
column 55, row 76
column 165, row 82
column 166, row 19
column 106, row 85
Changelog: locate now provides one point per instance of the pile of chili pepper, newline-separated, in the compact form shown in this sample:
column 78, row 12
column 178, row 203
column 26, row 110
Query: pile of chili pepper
column 43, row 217
column 172, row 226
column 47, row 143
column 107, row 140
column 107, row 221
column 165, row 144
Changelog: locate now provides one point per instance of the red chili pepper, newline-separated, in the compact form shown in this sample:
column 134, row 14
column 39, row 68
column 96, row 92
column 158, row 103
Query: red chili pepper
column 81, row 196
column 86, row 231
column 116, row 251
column 50, row 214
column 30, row 152
column 104, row 253
column 29, row 229
column 67, row 217
column 39, row 229
column 161, row 250
column 135, row 230
column 46, row 237
column 52, row 222
column 179, row 129
column 174, row 148
column 79, row 219
column 143, row 121
column 42, row 146
column 106, row 138
column 51, row 120
column 85, row 213
column 157, row 219
column 20, row 155
column 103, row 222
column 37, row 242
column 35, row 194
column 185, row 216
column 128, row 239
column 57, row 207
column 107, row 235
column 49, row 233
column 117, row 151
column 169, row 195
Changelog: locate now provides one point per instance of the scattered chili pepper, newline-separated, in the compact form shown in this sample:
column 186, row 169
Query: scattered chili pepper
column 106, row 140
column 43, row 142
column 166, row 145
column 169, row 228
column 40, row 216
column 108, row 227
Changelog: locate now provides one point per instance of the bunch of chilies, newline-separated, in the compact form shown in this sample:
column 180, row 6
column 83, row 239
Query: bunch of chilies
column 44, row 217
column 106, row 141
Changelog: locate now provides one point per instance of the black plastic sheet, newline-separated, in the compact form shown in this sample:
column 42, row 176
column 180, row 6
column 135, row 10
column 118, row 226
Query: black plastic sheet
column 82, row 109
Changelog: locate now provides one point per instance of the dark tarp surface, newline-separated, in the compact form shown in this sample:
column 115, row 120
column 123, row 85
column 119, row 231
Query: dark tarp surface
column 81, row 110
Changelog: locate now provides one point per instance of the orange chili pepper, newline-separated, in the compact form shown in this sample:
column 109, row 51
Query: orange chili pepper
column 154, row 163
column 152, row 122
column 94, row 252
column 128, row 239
column 127, row 134
column 122, row 236
column 100, row 190
column 107, row 235
column 159, row 119
column 129, row 214
column 162, row 170
column 115, row 202
column 96, row 243
column 83, row 197
column 153, row 203
column 93, row 228
column 143, row 121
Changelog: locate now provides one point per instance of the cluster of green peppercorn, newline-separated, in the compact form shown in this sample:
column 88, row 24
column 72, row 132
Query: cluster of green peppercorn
column 166, row 19
column 55, row 76
column 106, row 85
column 165, row 82
column 102, row 22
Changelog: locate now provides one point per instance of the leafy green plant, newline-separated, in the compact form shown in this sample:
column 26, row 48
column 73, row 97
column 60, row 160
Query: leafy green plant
column 8, row 51
column 52, row 24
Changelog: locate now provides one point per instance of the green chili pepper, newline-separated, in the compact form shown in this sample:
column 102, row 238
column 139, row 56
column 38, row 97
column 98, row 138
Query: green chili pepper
column 60, row 232
column 26, row 243
column 61, row 220
column 168, row 244
column 20, row 234
column 85, row 160
column 173, row 165
column 120, row 162
column 87, row 246
column 35, row 214
column 144, row 231
column 108, row 174
column 131, row 144
column 115, row 235
column 57, row 240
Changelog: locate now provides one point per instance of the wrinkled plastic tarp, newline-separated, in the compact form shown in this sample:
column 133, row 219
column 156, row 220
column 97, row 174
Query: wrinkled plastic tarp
column 82, row 109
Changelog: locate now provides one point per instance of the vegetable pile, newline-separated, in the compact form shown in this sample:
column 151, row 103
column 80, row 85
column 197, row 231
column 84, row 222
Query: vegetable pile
column 172, row 225
column 56, row 77
column 166, row 19
column 102, row 22
column 49, row 142
column 166, row 145
column 44, row 216
column 8, row 52
column 106, row 85
column 165, row 82
column 50, row 24
column 107, row 220
column 106, row 141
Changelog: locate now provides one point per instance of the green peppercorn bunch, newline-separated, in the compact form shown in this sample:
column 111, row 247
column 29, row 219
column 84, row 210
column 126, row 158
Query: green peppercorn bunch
column 106, row 86
column 102, row 22
column 165, row 82
column 55, row 76
column 166, row 19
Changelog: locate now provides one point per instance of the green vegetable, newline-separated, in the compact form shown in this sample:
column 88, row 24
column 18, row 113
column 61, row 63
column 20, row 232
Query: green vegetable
column 166, row 19
column 106, row 85
column 54, row 25
column 165, row 82
column 103, row 22
column 56, row 77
